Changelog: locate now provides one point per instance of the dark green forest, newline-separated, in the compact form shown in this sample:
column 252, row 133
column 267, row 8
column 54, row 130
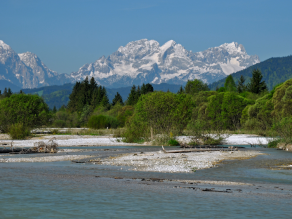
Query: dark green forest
column 274, row 71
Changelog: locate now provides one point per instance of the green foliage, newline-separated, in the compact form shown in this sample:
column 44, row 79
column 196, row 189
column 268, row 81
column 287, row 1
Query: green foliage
column 173, row 142
column 133, row 96
column 240, row 86
column 258, row 115
column 230, row 84
column 64, row 119
column 195, row 86
column 159, row 113
column 274, row 143
column 256, row 84
column 283, row 128
column 30, row 110
column 146, row 88
column 282, row 100
column 274, row 71
column 224, row 110
column 124, row 115
column 18, row 131
column 87, row 93
column 102, row 121
column 118, row 99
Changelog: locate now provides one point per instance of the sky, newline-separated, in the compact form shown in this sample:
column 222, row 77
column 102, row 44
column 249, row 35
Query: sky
column 66, row 34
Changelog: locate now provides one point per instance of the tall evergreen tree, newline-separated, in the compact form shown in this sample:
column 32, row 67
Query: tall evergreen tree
column 240, row 86
column 9, row 92
column 146, row 88
column 54, row 109
column 132, row 96
column 230, row 84
column 181, row 90
column 5, row 92
column 256, row 84
column 118, row 99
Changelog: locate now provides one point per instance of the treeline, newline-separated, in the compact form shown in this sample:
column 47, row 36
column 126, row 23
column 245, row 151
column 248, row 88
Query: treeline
column 274, row 71
column 89, row 106
column 159, row 116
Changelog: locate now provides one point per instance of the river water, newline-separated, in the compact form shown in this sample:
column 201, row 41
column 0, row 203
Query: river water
column 73, row 190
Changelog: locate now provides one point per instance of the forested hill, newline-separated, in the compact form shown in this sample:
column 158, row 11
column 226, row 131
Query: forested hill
column 274, row 70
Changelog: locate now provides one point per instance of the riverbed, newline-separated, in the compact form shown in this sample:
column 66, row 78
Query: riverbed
column 256, row 187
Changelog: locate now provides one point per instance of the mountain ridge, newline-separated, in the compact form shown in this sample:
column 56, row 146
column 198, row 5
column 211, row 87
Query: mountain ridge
column 141, row 61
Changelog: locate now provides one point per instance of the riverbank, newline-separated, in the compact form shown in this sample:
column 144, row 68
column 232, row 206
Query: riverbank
column 109, row 140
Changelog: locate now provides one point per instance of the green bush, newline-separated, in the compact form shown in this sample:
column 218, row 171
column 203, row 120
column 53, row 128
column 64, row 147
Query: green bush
column 30, row 110
column 59, row 123
column 173, row 142
column 102, row 121
column 159, row 113
column 274, row 143
column 18, row 131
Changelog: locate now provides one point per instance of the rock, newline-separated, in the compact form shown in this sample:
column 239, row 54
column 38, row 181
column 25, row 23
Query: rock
column 283, row 146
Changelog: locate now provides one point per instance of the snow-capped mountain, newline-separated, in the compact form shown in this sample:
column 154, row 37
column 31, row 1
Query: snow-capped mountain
column 26, row 70
column 142, row 61
column 145, row 61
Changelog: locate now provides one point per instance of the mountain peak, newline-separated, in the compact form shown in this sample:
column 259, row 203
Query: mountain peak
column 233, row 47
column 4, row 45
column 167, row 45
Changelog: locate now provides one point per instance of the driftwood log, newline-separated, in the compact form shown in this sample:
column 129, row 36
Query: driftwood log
column 39, row 147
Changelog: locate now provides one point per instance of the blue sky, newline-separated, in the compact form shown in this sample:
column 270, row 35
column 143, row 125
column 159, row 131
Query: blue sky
column 66, row 34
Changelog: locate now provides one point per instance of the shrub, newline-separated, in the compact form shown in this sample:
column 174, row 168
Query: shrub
column 29, row 110
column 59, row 123
column 274, row 143
column 173, row 142
column 101, row 121
column 18, row 131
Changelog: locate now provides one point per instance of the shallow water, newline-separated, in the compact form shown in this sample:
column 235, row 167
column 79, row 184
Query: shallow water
column 70, row 190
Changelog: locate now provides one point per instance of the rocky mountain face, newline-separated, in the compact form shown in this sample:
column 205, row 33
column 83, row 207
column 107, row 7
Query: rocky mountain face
column 145, row 61
column 142, row 61
column 26, row 70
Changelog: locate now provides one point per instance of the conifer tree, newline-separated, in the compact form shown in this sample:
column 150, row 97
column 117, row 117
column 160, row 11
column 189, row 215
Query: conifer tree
column 230, row 84
column 54, row 109
column 118, row 99
column 146, row 88
column 132, row 96
column 256, row 84
column 5, row 92
column 9, row 92
column 240, row 86
column 181, row 90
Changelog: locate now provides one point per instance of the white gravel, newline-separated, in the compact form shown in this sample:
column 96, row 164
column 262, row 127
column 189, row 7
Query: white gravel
column 176, row 162
column 69, row 140
column 242, row 139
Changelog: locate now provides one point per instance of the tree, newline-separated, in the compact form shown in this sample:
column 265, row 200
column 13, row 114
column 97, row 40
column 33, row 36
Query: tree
column 118, row 99
column 29, row 110
column 132, row 96
column 230, row 84
column 146, row 88
column 195, row 86
column 256, row 84
column 54, row 109
column 181, row 90
column 159, row 113
column 240, row 86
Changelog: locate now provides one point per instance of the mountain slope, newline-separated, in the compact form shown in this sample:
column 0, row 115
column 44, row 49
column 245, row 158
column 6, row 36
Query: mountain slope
column 26, row 70
column 145, row 61
column 274, row 70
